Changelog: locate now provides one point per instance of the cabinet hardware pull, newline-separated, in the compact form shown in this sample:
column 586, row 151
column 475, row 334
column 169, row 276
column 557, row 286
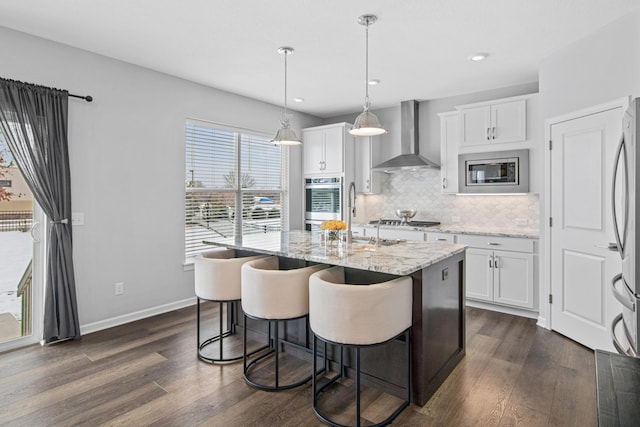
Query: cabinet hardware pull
column 488, row 137
column 493, row 132
column 493, row 244
column 444, row 182
column 495, row 263
column 490, row 264
column 440, row 239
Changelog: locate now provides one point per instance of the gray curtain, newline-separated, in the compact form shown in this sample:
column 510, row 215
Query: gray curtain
column 33, row 120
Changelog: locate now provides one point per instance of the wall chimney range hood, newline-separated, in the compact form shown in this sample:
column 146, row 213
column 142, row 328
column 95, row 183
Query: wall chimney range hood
column 410, row 157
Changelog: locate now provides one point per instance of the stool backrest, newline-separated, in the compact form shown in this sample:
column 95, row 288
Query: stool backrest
column 217, row 274
column 358, row 314
column 270, row 293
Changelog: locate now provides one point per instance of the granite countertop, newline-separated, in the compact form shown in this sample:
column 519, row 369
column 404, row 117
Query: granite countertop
column 522, row 232
column 399, row 259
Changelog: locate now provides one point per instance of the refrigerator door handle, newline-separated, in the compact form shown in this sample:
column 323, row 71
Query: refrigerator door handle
column 616, row 342
column 620, row 240
column 621, row 297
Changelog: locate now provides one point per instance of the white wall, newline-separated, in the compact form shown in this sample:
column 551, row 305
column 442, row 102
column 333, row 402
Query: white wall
column 599, row 68
column 127, row 168
column 594, row 70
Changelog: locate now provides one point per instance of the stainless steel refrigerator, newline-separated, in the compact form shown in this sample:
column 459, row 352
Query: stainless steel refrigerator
column 625, row 205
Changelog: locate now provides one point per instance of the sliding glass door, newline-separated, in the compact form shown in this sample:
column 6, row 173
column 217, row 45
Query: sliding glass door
column 21, row 245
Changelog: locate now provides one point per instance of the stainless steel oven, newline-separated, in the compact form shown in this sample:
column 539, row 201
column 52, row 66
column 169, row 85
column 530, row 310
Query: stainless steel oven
column 323, row 200
column 494, row 172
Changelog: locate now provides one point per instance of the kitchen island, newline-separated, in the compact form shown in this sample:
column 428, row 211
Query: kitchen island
column 438, row 319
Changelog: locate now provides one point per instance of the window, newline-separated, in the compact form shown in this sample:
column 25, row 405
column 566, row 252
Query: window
column 231, row 174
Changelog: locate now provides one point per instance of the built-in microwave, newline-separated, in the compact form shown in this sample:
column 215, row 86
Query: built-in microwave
column 494, row 172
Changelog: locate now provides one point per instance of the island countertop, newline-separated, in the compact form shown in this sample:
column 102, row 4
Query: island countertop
column 399, row 259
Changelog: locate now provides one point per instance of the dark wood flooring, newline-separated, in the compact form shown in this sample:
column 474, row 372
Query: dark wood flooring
column 147, row 373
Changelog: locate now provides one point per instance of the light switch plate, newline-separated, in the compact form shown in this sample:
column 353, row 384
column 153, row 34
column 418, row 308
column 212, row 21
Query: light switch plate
column 77, row 218
column 445, row 273
column 455, row 218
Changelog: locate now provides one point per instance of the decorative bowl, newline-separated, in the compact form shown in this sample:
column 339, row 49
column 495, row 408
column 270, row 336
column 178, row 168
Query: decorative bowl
column 406, row 214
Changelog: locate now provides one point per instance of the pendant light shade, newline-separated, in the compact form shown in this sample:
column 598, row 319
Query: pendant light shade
column 285, row 135
column 367, row 123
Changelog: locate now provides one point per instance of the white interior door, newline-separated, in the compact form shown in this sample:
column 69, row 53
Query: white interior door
column 581, row 266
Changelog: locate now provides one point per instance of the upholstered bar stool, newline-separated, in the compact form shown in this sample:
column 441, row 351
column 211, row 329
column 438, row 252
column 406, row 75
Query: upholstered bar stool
column 276, row 296
column 217, row 279
column 358, row 316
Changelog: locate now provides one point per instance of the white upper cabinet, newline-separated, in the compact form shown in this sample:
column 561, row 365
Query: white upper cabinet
column 492, row 123
column 326, row 149
column 367, row 151
column 449, row 152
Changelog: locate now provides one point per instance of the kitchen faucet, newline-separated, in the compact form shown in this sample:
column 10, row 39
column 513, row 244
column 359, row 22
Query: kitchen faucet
column 352, row 210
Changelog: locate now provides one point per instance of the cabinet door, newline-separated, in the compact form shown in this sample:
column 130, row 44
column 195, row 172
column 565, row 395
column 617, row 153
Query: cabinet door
column 479, row 274
column 440, row 237
column 509, row 122
column 333, row 150
column 367, row 182
column 363, row 165
column 449, row 152
column 475, row 126
column 390, row 233
column 313, row 151
column 513, row 279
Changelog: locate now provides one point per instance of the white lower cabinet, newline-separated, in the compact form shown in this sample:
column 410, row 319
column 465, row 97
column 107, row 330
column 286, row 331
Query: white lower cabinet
column 389, row 233
column 500, row 276
column 435, row 237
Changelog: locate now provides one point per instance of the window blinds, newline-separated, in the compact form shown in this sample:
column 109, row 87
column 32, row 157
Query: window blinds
column 229, row 171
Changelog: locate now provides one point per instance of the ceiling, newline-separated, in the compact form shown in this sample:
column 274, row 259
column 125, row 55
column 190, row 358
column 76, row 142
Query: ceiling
column 418, row 48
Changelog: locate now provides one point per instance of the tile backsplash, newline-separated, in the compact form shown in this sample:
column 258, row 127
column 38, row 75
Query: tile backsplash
column 420, row 190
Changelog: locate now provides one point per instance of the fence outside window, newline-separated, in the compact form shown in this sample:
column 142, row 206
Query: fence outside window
column 15, row 220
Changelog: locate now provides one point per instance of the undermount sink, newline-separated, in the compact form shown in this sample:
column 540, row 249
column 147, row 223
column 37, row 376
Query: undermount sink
column 372, row 241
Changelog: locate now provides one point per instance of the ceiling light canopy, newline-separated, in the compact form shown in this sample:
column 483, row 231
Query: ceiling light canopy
column 285, row 135
column 367, row 124
column 480, row 56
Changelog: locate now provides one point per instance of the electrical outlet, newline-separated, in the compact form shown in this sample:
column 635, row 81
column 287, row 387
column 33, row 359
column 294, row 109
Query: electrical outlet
column 77, row 218
column 455, row 218
column 445, row 273
column 119, row 288
column 521, row 221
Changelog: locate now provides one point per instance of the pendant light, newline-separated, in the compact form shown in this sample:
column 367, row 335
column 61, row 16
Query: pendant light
column 367, row 124
column 285, row 135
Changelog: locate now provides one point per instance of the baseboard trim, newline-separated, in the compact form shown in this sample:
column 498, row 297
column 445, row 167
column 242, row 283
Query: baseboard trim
column 503, row 309
column 136, row 315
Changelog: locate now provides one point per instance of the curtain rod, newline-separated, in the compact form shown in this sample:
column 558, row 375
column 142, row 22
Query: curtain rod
column 87, row 98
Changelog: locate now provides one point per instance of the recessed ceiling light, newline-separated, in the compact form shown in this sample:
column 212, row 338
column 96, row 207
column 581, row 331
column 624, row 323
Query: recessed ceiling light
column 374, row 82
column 478, row 56
column 298, row 99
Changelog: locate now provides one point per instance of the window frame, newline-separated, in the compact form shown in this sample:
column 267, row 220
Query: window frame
column 238, row 191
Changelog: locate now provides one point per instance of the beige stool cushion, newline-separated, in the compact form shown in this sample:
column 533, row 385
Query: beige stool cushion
column 217, row 274
column 270, row 293
column 358, row 314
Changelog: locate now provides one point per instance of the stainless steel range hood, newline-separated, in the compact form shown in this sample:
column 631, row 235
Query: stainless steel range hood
column 410, row 157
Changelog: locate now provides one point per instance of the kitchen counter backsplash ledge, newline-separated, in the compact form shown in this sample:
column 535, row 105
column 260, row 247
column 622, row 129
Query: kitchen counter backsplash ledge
column 528, row 233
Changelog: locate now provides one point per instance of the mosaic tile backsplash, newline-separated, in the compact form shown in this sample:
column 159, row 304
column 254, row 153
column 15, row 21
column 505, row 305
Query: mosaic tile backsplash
column 420, row 190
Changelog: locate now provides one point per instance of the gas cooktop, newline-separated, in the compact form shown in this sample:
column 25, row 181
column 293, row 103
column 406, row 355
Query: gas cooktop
column 399, row 223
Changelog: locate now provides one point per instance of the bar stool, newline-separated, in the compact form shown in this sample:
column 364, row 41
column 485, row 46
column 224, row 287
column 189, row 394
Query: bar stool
column 217, row 279
column 275, row 295
column 357, row 316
